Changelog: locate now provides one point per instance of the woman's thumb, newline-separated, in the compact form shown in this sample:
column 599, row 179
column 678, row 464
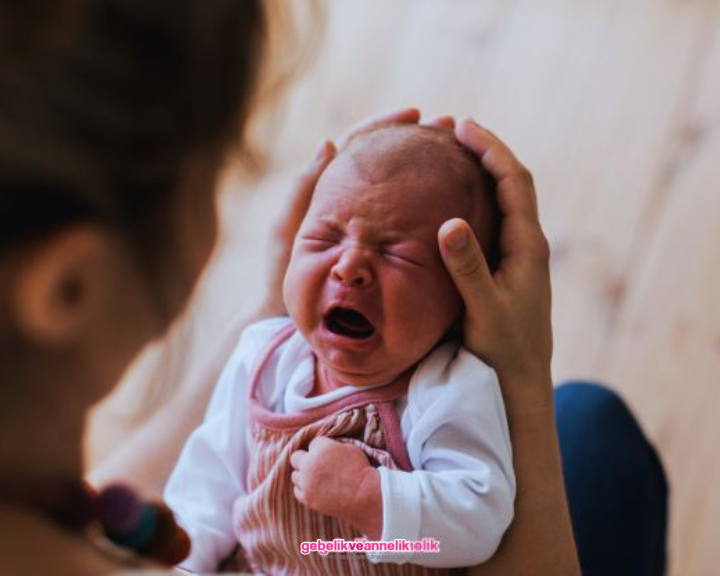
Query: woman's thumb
column 465, row 262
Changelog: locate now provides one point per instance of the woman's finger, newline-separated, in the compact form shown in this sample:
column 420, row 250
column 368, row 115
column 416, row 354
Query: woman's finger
column 481, row 141
column 403, row 116
column 446, row 122
column 288, row 224
column 521, row 236
column 465, row 263
column 515, row 189
column 304, row 187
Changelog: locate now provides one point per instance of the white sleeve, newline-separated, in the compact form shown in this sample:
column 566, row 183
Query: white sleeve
column 462, row 489
column 209, row 476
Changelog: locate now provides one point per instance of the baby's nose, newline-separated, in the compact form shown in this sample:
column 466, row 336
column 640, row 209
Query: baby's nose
column 352, row 269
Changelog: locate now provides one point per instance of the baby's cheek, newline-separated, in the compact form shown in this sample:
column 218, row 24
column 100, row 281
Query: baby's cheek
column 304, row 284
column 295, row 290
column 413, row 311
column 448, row 293
column 443, row 304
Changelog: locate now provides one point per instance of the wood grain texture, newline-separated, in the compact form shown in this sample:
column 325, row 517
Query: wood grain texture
column 615, row 106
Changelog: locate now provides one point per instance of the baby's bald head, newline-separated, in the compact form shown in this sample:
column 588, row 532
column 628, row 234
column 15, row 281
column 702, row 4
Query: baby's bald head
column 366, row 264
column 431, row 155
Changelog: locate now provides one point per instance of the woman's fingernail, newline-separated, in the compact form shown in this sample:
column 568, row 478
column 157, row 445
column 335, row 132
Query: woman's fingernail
column 321, row 151
column 474, row 123
column 457, row 238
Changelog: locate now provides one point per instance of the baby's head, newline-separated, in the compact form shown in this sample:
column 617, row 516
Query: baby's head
column 366, row 285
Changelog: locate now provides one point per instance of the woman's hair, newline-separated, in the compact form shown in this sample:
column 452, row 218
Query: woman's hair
column 103, row 102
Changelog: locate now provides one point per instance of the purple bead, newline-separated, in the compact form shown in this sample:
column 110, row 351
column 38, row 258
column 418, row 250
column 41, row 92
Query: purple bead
column 141, row 534
column 120, row 509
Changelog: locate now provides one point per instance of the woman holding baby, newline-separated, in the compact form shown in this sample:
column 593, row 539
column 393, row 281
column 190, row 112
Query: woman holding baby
column 115, row 119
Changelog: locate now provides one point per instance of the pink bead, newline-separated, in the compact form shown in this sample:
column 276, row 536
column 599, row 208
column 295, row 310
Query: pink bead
column 120, row 509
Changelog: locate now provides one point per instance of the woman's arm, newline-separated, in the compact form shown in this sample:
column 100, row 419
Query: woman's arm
column 507, row 324
column 540, row 539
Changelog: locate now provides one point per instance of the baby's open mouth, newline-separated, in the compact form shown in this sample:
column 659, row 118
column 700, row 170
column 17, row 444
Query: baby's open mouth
column 349, row 323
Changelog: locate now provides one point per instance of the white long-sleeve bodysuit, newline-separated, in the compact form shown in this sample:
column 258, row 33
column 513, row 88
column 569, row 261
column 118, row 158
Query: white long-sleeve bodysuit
column 453, row 423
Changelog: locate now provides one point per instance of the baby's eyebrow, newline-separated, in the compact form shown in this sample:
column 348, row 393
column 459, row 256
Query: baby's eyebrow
column 378, row 237
column 331, row 222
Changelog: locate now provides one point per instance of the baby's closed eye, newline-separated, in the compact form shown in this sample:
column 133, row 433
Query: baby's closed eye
column 404, row 258
column 405, row 253
column 320, row 239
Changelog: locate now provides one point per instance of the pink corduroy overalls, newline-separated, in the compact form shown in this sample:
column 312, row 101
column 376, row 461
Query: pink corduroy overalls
column 269, row 521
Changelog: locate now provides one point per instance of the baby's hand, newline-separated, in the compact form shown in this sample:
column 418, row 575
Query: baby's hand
column 337, row 479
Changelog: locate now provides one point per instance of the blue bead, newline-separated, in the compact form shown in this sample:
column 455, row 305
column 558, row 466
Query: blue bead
column 142, row 533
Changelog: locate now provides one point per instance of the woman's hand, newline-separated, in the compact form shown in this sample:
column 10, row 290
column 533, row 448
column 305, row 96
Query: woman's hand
column 288, row 223
column 507, row 323
column 507, row 320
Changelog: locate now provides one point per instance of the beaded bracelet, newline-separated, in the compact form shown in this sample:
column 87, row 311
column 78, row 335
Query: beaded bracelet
column 148, row 529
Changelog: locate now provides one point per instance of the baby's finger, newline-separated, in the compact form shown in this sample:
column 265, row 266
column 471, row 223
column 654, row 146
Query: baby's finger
column 295, row 478
column 464, row 260
column 516, row 192
column 297, row 458
column 320, row 442
column 404, row 116
column 298, row 495
column 446, row 122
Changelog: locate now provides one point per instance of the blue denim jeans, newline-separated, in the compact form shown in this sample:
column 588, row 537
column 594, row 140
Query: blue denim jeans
column 615, row 483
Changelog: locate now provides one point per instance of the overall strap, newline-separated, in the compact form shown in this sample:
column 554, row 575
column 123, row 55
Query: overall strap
column 275, row 342
column 384, row 398
column 393, row 433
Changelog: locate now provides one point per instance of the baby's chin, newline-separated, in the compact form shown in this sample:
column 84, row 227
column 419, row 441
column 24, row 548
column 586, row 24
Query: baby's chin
column 358, row 376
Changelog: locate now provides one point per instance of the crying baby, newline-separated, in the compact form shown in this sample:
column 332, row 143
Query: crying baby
column 360, row 415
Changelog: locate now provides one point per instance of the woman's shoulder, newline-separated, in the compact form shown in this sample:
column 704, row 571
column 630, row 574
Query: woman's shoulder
column 33, row 544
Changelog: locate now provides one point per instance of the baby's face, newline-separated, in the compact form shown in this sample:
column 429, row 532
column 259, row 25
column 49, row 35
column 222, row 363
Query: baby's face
column 366, row 285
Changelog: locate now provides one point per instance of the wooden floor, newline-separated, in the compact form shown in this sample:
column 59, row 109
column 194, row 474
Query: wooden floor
column 615, row 106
